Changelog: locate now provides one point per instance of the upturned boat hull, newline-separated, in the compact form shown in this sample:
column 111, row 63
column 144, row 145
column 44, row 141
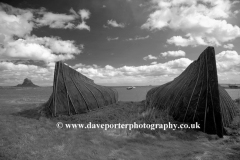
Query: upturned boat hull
column 74, row 93
column 195, row 96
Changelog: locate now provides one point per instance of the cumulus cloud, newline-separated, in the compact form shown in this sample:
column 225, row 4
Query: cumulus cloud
column 166, row 54
column 16, row 67
column 54, row 20
column 137, row 74
column 13, row 74
column 83, row 26
column 189, row 40
column 204, row 22
column 228, row 46
column 64, row 21
column 45, row 48
column 85, row 14
column 17, row 42
column 149, row 57
column 56, row 44
column 137, row 38
column 173, row 53
column 112, row 39
column 14, row 22
column 228, row 61
column 228, row 66
column 114, row 23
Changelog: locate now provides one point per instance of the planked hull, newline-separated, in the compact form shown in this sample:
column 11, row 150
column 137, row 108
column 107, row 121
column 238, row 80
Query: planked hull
column 195, row 96
column 74, row 93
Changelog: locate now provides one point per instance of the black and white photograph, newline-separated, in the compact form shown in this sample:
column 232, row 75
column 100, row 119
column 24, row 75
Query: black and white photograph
column 119, row 79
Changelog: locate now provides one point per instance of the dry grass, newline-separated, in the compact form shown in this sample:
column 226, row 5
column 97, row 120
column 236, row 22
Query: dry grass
column 26, row 136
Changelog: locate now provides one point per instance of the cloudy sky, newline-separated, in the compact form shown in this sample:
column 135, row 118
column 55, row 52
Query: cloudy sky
column 117, row 42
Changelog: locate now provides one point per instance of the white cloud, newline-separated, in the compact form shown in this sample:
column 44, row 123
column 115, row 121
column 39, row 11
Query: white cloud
column 83, row 26
column 228, row 46
column 45, row 49
column 112, row 39
column 64, row 21
column 154, row 62
column 137, row 74
column 85, row 14
column 228, row 61
column 203, row 21
column 149, row 57
column 56, row 44
column 114, row 23
column 228, row 66
column 166, row 54
column 14, row 21
column 17, row 42
column 13, row 74
column 137, row 38
column 180, row 41
column 54, row 20
column 16, row 67
column 173, row 53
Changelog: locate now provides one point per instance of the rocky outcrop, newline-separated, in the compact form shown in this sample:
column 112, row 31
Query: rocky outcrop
column 27, row 83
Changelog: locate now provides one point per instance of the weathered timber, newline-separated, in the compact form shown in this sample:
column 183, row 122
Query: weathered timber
column 74, row 93
column 196, row 96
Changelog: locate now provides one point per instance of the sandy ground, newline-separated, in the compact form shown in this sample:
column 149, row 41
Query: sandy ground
column 24, row 135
